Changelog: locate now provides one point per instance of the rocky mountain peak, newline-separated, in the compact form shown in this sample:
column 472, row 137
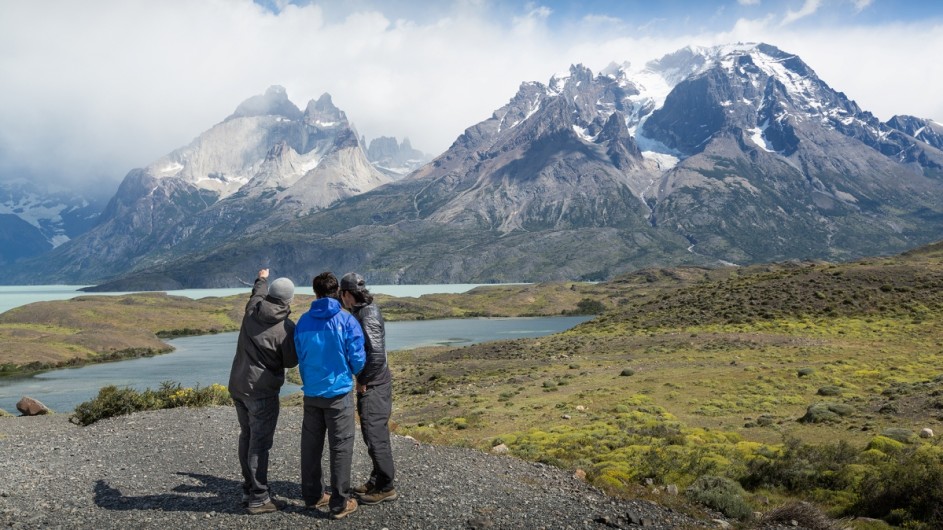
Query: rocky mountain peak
column 323, row 113
column 274, row 102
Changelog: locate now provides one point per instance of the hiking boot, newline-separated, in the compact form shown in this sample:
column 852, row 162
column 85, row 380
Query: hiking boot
column 269, row 506
column 321, row 503
column 366, row 488
column 349, row 508
column 376, row 497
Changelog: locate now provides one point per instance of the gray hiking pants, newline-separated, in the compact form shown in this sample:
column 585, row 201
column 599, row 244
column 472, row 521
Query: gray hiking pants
column 257, row 419
column 334, row 417
column 375, row 406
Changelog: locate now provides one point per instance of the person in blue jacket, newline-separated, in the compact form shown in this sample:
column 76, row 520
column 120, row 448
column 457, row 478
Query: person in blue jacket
column 329, row 343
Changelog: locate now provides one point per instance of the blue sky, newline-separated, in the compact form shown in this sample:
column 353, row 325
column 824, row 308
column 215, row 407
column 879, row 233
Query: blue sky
column 93, row 89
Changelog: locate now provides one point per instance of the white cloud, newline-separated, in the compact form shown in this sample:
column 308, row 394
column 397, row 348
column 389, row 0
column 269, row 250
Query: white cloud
column 99, row 88
column 808, row 8
column 749, row 2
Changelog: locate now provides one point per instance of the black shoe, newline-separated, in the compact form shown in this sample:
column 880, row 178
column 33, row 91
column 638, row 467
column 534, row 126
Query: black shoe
column 269, row 506
column 376, row 497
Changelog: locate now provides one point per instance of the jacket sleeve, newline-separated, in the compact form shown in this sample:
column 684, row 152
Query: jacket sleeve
column 375, row 343
column 259, row 291
column 353, row 342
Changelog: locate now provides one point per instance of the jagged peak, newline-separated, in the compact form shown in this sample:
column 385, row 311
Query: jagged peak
column 274, row 102
column 323, row 113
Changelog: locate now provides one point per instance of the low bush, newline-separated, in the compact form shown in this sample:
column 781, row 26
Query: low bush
column 721, row 494
column 113, row 401
column 5, row 414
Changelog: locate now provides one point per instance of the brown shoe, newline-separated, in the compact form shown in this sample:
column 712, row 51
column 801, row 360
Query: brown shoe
column 321, row 503
column 376, row 497
column 349, row 508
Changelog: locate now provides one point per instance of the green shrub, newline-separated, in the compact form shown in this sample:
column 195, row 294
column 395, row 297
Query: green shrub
column 113, row 401
column 905, row 490
column 5, row 414
column 802, row 467
column 805, row 371
column 721, row 494
column 825, row 412
column 627, row 372
column 829, row 390
column 898, row 434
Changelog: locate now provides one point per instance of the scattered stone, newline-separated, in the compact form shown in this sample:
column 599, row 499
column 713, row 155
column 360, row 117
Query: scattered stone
column 926, row 432
column 806, row 371
column 672, row 489
column 500, row 449
column 566, row 416
column 722, row 524
column 31, row 407
column 580, row 408
column 579, row 474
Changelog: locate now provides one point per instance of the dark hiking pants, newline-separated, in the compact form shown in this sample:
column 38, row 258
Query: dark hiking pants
column 257, row 419
column 374, row 407
column 335, row 417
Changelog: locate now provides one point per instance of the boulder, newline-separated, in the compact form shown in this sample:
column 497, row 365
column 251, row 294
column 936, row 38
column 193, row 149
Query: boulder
column 926, row 432
column 31, row 407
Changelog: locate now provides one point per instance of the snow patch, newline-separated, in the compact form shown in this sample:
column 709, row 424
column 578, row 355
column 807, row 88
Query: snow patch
column 845, row 196
column 171, row 168
column 756, row 134
column 664, row 161
column 581, row 132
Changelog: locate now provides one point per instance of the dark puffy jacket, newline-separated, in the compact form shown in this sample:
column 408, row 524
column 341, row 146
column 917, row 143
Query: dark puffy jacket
column 265, row 347
column 376, row 371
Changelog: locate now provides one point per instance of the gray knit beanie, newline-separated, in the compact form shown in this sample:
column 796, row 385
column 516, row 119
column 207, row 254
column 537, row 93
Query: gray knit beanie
column 282, row 289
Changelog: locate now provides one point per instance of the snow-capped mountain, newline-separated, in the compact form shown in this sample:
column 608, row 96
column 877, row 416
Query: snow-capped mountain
column 730, row 154
column 36, row 218
column 267, row 163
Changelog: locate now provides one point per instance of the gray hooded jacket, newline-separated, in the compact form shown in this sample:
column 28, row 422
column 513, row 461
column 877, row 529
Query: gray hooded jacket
column 266, row 347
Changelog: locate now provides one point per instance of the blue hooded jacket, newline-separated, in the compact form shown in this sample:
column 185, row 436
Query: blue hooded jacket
column 329, row 343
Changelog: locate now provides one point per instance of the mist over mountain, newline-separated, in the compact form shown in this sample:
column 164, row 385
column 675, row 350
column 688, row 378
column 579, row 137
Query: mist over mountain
column 730, row 154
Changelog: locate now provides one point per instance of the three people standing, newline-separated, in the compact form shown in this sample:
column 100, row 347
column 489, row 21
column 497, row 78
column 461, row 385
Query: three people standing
column 336, row 351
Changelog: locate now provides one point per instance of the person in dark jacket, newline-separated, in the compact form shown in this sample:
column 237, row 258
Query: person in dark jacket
column 329, row 343
column 374, row 391
column 264, row 350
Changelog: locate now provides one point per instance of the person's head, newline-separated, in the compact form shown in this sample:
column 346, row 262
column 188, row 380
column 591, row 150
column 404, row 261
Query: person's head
column 354, row 291
column 325, row 285
column 282, row 290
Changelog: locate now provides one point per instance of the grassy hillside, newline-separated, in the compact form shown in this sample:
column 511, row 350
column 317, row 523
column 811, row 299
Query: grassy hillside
column 727, row 372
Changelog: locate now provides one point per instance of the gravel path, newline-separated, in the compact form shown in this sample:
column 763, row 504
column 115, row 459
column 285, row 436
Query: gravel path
column 178, row 469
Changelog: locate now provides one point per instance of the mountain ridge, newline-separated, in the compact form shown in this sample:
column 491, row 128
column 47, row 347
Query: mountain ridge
column 731, row 154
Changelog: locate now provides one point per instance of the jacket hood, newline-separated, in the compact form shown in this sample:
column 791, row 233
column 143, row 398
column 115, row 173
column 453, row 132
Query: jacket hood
column 272, row 311
column 325, row 308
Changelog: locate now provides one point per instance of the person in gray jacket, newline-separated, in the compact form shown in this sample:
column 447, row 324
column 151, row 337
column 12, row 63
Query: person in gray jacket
column 374, row 391
column 265, row 348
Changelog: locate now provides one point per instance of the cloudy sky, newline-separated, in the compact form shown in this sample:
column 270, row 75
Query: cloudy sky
column 89, row 90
